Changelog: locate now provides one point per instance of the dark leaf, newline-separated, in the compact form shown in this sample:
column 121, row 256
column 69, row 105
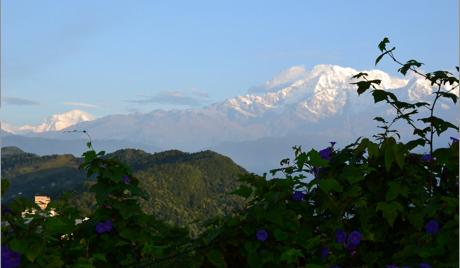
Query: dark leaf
column 380, row 119
column 383, row 44
column 449, row 95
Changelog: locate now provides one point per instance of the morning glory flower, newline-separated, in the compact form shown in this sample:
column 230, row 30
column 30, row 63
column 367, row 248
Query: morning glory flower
column 6, row 210
column 261, row 235
column 10, row 259
column 316, row 171
column 354, row 238
column 326, row 154
column 424, row 265
column 126, row 179
column 340, row 236
column 324, row 252
column 432, row 227
column 426, row 157
column 104, row 227
column 298, row 196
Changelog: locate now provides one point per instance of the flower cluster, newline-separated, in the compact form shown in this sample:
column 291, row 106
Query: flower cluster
column 126, row 179
column 426, row 157
column 261, row 235
column 298, row 196
column 432, row 227
column 350, row 241
column 10, row 259
column 104, row 227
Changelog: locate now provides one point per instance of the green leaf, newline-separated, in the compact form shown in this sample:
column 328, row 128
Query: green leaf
column 383, row 44
column 439, row 124
column 313, row 266
column 5, row 186
column 380, row 119
column 389, row 156
column 389, row 210
column 377, row 60
column 359, row 75
column 328, row 185
column 216, row 258
column 379, row 95
column 280, row 235
column 291, row 255
column 414, row 143
column 416, row 219
column 408, row 65
column 394, row 190
column 449, row 95
column 315, row 159
column 352, row 174
column 98, row 257
column 363, row 86
column 58, row 225
column 399, row 154
column 244, row 191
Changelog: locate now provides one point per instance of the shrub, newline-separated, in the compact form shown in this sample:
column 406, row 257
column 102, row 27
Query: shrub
column 369, row 204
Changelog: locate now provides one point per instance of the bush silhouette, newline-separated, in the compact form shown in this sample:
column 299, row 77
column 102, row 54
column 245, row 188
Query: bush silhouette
column 369, row 204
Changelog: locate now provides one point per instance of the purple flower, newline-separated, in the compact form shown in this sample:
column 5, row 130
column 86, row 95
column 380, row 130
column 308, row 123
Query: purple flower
column 326, row 154
column 316, row 171
column 426, row 157
column 406, row 266
column 6, row 210
column 354, row 238
column 454, row 139
column 432, row 227
column 10, row 259
column 424, row 265
column 126, row 179
column 340, row 236
column 392, row 266
column 324, row 252
column 261, row 235
column 104, row 227
column 298, row 196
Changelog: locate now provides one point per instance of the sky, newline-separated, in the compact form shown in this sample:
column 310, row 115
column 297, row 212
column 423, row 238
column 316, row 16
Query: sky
column 116, row 57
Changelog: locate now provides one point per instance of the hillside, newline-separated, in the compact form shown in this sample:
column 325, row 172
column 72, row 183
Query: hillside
column 183, row 187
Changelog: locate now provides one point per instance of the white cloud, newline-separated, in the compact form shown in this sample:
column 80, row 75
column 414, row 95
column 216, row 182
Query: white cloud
column 18, row 101
column 285, row 77
column 79, row 104
column 196, row 98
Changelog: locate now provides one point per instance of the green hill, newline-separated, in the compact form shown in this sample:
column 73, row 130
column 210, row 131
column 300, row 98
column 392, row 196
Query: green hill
column 183, row 187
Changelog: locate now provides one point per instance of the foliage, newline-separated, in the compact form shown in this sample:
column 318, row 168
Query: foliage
column 183, row 188
column 369, row 204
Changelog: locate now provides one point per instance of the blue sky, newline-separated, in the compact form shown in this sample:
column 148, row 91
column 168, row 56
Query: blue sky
column 125, row 56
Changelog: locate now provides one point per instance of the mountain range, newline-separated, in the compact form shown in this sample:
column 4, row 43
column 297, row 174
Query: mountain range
column 182, row 187
column 296, row 107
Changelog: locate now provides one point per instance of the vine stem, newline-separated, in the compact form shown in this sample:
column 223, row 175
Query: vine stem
column 431, row 115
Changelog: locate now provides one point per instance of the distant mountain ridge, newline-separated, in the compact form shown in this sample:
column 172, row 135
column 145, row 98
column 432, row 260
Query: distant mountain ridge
column 183, row 187
column 54, row 122
column 319, row 104
column 324, row 93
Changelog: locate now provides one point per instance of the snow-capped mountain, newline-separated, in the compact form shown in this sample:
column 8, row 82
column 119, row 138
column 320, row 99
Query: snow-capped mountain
column 55, row 122
column 295, row 102
column 314, row 106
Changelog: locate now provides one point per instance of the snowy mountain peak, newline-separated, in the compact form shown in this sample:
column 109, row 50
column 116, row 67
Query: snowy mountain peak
column 314, row 94
column 54, row 122
column 64, row 120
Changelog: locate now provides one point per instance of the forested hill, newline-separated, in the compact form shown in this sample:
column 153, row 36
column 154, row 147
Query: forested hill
column 183, row 187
